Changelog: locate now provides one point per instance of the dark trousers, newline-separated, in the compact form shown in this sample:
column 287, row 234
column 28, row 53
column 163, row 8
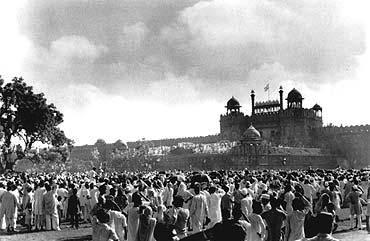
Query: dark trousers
column 74, row 219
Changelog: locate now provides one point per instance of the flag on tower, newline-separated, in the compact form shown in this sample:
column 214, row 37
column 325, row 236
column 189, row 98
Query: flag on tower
column 267, row 87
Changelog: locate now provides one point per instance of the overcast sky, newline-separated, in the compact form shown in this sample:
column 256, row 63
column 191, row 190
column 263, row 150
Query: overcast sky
column 132, row 69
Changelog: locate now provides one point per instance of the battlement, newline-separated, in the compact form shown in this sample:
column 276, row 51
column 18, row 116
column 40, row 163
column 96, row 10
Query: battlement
column 267, row 104
column 266, row 116
column 339, row 130
column 306, row 113
column 232, row 117
column 175, row 141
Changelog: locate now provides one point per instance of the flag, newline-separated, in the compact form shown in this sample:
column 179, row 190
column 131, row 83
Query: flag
column 267, row 87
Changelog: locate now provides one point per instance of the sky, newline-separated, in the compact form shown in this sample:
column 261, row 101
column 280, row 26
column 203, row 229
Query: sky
column 133, row 69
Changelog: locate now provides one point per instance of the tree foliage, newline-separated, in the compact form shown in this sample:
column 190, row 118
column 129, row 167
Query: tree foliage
column 26, row 115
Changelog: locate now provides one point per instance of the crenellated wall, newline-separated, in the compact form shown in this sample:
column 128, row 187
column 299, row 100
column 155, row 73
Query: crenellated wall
column 350, row 142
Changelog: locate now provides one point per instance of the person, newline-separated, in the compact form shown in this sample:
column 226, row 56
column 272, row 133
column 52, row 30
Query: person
column 288, row 198
column 133, row 215
column 101, row 231
column 74, row 208
column 9, row 203
column 353, row 199
column 215, row 205
column 50, row 208
column 84, row 196
column 322, row 203
column 235, row 229
column 2, row 191
column 109, row 200
column 118, row 222
column 226, row 204
column 38, row 208
column 246, row 202
column 146, row 225
column 275, row 219
column 27, row 207
column 185, row 194
column 177, row 216
column 121, row 199
column 295, row 221
column 168, row 195
column 368, row 209
column 198, row 210
column 258, row 227
column 62, row 193
column 325, row 225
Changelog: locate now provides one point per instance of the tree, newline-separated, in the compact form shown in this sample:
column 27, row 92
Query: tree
column 27, row 115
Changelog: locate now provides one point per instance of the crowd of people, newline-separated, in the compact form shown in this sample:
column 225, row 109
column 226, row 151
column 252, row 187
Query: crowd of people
column 250, row 205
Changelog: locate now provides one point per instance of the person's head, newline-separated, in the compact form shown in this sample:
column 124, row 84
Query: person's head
column 9, row 185
column 29, row 189
column 103, row 216
column 102, row 189
column 288, row 188
column 298, row 204
column 330, row 207
column 212, row 189
column 325, row 199
column 178, row 201
column 74, row 191
column 257, row 207
column 148, row 211
column 136, row 199
column 274, row 202
column 47, row 187
column 265, row 199
column 197, row 188
column 324, row 222
column 112, row 192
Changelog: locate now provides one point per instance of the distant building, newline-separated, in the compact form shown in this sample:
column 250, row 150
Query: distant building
column 290, row 126
column 275, row 135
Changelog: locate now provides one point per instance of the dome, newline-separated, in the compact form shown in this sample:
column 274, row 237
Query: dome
column 316, row 107
column 252, row 134
column 233, row 103
column 294, row 96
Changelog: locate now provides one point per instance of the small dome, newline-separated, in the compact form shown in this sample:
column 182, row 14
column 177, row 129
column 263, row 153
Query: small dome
column 316, row 107
column 233, row 103
column 294, row 96
column 252, row 134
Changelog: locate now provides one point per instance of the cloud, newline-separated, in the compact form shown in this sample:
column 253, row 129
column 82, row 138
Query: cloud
column 156, row 66
column 71, row 47
column 229, row 39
